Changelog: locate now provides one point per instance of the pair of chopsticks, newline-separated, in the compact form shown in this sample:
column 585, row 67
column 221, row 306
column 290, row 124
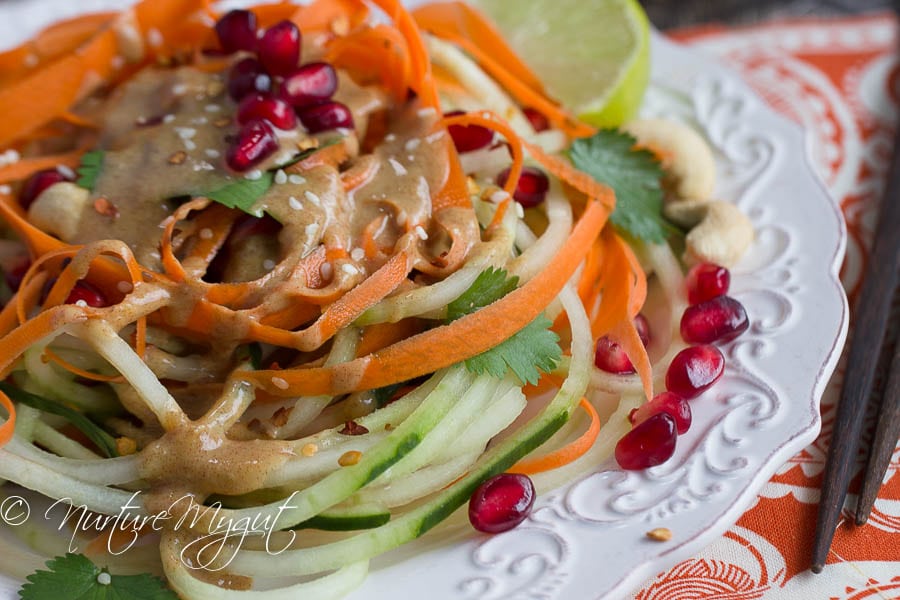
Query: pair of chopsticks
column 868, row 343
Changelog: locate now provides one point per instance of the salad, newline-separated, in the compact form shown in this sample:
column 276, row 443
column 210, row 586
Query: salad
column 286, row 288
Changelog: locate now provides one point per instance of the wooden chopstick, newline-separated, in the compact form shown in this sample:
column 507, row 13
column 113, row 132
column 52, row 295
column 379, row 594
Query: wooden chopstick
column 886, row 433
column 869, row 327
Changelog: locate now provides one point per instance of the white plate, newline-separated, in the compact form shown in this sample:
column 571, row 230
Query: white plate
column 587, row 540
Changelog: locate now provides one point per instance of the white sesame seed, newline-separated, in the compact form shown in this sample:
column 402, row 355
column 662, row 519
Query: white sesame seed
column 185, row 133
column 9, row 157
column 294, row 203
column 390, row 137
column 499, row 196
column 168, row 118
column 280, row 383
column 155, row 38
column 433, row 137
column 420, row 231
column 280, row 177
column 253, row 175
column 357, row 254
column 426, row 112
column 81, row 303
column 124, row 286
column 349, row 269
column 206, row 233
column 31, row 60
column 189, row 145
column 412, row 144
column 212, row 153
column 5, row 189
column 65, row 171
column 520, row 210
column 326, row 270
column 104, row 578
column 212, row 108
column 199, row 121
column 202, row 165
column 312, row 198
column 398, row 168
column 179, row 89
column 268, row 264
column 410, row 158
column 297, row 179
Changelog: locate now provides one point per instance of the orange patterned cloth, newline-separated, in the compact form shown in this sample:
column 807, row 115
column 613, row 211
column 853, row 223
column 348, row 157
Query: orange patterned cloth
column 840, row 79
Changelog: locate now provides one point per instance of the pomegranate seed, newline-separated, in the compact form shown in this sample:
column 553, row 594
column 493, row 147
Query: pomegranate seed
column 694, row 370
column 261, row 106
column 501, row 502
column 16, row 274
column 247, row 76
column 649, row 444
column 237, row 31
column 610, row 357
column 37, row 183
column 707, row 281
column 84, row 291
column 467, row 138
column 718, row 320
column 537, row 119
column 322, row 117
column 666, row 402
column 531, row 188
column 255, row 142
column 310, row 84
column 279, row 48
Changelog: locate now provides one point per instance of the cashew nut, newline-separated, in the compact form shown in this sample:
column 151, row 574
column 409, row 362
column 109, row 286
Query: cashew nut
column 720, row 233
column 58, row 209
column 686, row 157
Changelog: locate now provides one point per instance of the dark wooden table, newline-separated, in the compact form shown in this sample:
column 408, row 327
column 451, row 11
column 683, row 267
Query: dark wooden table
column 670, row 14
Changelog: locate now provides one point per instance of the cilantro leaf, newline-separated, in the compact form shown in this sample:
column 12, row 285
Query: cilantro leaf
column 242, row 193
column 609, row 157
column 92, row 431
column 75, row 577
column 89, row 170
column 532, row 349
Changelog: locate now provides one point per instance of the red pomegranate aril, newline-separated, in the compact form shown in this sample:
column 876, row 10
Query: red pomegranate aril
column 87, row 293
column 237, row 31
column 537, row 119
column 501, row 502
column 322, row 117
column 255, row 142
column 246, row 77
column 650, row 443
column 610, row 357
column 666, row 402
column 707, row 281
column 468, row 138
column 718, row 320
column 694, row 370
column 310, row 84
column 262, row 106
column 279, row 48
column 37, row 183
column 531, row 188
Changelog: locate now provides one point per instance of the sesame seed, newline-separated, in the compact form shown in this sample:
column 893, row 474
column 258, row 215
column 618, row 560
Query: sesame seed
column 190, row 145
column 104, row 578
column 81, row 303
column 357, row 254
column 294, row 203
column 179, row 89
column 398, row 168
column 426, row 112
column 206, row 233
column 312, row 198
column 297, row 179
column 280, row 176
column 9, row 157
column 253, row 175
column 185, row 133
column 155, row 38
column 326, row 270
column 390, row 137
column 268, row 264
column 660, row 534
column 5, row 189
column 412, row 144
column 349, row 269
column 309, row 450
column 203, row 166
column 280, row 383
column 420, row 231
column 168, row 118
column 212, row 153
column 410, row 157
column 124, row 286
column 433, row 137
column 65, row 171
column 199, row 121
column 212, row 108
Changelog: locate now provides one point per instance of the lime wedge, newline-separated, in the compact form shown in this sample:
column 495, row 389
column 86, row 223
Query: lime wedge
column 593, row 56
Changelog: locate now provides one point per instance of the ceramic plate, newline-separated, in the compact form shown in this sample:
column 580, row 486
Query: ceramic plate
column 587, row 539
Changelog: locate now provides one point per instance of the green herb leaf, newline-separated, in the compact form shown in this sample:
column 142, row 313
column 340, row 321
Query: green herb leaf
column 609, row 157
column 100, row 438
column 242, row 193
column 75, row 577
column 89, row 170
column 532, row 349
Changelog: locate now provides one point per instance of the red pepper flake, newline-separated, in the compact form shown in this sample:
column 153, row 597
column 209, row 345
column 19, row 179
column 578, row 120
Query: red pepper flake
column 353, row 428
column 106, row 208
